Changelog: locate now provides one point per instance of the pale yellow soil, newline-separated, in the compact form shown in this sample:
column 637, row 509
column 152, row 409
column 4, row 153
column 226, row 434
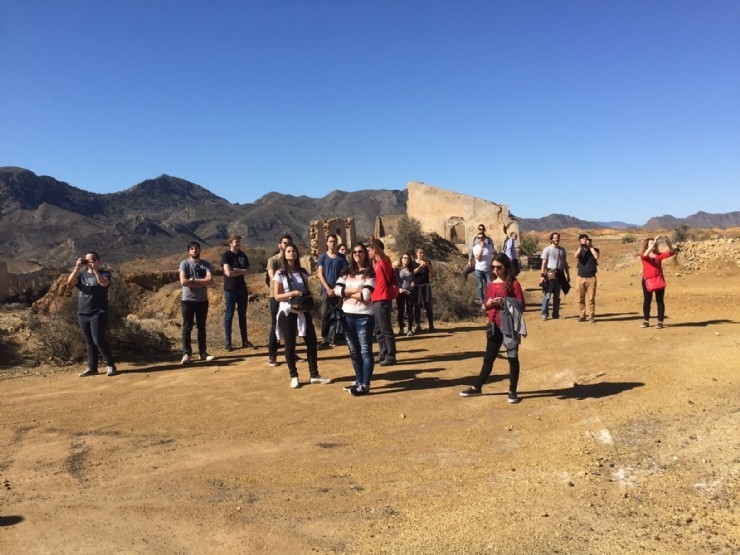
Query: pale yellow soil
column 626, row 441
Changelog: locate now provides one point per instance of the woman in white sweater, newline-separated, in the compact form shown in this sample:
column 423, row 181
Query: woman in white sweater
column 355, row 288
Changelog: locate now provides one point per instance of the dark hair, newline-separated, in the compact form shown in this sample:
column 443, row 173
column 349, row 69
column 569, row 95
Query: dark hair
column 192, row 244
column 96, row 255
column 234, row 237
column 379, row 243
column 355, row 269
column 505, row 261
column 286, row 236
column 284, row 261
column 400, row 259
column 553, row 234
column 334, row 235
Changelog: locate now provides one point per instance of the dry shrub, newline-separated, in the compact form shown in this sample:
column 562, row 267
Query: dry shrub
column 453, row 297
column 60, row 339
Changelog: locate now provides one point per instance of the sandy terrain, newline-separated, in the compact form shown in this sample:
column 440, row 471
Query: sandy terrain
column 626, row 441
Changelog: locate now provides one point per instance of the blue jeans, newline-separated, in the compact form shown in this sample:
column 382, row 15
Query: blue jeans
column 484, row 278
column 235, row 299
column 552, row 290
column 359, row 333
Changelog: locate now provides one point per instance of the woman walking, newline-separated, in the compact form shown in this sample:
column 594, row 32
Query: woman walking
column 652, row 277
column 355, row 288
column 291, row 282
column 405, row 300
column 505, row 304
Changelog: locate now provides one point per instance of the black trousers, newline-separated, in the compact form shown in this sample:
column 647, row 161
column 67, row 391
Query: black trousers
column 288, row 324
column 494, row 340
column 94, row 328
column 194, row 311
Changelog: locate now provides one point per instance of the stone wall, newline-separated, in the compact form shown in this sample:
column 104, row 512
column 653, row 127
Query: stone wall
column 456, row 217
column 343, row 228
column 24, row 282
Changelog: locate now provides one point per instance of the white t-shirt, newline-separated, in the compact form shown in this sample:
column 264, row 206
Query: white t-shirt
column 484, row 263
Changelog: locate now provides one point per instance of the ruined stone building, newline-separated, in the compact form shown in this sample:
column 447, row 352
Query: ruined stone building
column 453, row 216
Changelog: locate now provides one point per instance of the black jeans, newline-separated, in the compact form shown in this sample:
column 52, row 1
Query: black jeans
column 288, row 324
column 327, row 303
column 423, row 296
column 406, row 310
column 272, row 341
column 198, row 311
column 494, row 340
column 94, row 328
column 647, row 300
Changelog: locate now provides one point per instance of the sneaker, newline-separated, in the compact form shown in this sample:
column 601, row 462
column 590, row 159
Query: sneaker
column 544, row 316
column 294, row 383
column 350, row 386
column 248, row 345
column 645, row 324
column 112, row 371
column 272, row 361
column 323, row 345
column 556, row 317
column 660, row 325
column 513, row 398
column 359, row 391
column 388, row 362
column 207, row 357
column 320, row 379
column 470, row 392
column 409, row 333
column 417, row 329
column 432, row 329
column 592, row 320
column 378, row 360
column 88, row 372
column 582, row 319
column 227, row 347
column 186, row 359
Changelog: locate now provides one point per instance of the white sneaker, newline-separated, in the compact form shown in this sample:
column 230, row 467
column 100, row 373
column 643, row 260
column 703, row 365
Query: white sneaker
column 294, row 383
column 207, row 357
column 320, row 379
column 112, row 371
column 186, row 359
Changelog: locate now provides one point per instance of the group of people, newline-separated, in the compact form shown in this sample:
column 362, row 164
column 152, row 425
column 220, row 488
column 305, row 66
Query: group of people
column 363, row 283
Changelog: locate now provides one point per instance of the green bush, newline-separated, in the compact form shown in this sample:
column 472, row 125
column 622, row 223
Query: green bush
column 529, row 245
column 629, row 238
column 681, row 233
column 409, row 235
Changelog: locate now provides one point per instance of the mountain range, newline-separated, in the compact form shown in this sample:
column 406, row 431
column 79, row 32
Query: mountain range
column 53, row 222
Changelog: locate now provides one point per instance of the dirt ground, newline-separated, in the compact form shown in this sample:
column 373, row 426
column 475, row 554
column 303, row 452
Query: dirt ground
column 625, row 441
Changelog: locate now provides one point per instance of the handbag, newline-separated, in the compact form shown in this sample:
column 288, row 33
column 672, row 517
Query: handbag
column 304, row 301
column 655, row 283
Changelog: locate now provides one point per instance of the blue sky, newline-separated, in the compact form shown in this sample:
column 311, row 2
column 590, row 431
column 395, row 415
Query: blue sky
column 603, row 110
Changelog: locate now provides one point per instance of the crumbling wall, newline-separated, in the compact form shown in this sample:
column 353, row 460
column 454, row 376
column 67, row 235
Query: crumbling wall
column 456, row 217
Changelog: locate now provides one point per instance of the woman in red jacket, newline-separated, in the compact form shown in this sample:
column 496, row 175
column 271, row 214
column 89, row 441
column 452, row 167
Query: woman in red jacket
column 652, row 260
column 504, row 285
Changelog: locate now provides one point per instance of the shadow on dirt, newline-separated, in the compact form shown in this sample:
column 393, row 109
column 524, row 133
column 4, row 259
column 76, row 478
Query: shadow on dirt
column 11, row 520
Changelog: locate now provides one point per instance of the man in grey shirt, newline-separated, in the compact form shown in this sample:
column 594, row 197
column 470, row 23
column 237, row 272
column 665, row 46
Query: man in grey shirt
column 554, row 267
column 195, row 277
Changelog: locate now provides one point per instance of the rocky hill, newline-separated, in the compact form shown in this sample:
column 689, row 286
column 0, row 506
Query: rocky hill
column 53, row 222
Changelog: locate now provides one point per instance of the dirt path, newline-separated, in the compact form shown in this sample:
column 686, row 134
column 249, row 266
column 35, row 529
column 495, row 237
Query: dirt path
column 641, row 456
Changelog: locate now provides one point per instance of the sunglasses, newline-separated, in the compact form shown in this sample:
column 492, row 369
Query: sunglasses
column 497, row 267
column 358, row 252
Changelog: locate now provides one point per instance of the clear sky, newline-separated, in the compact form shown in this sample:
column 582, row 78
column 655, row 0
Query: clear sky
column 603, row 110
